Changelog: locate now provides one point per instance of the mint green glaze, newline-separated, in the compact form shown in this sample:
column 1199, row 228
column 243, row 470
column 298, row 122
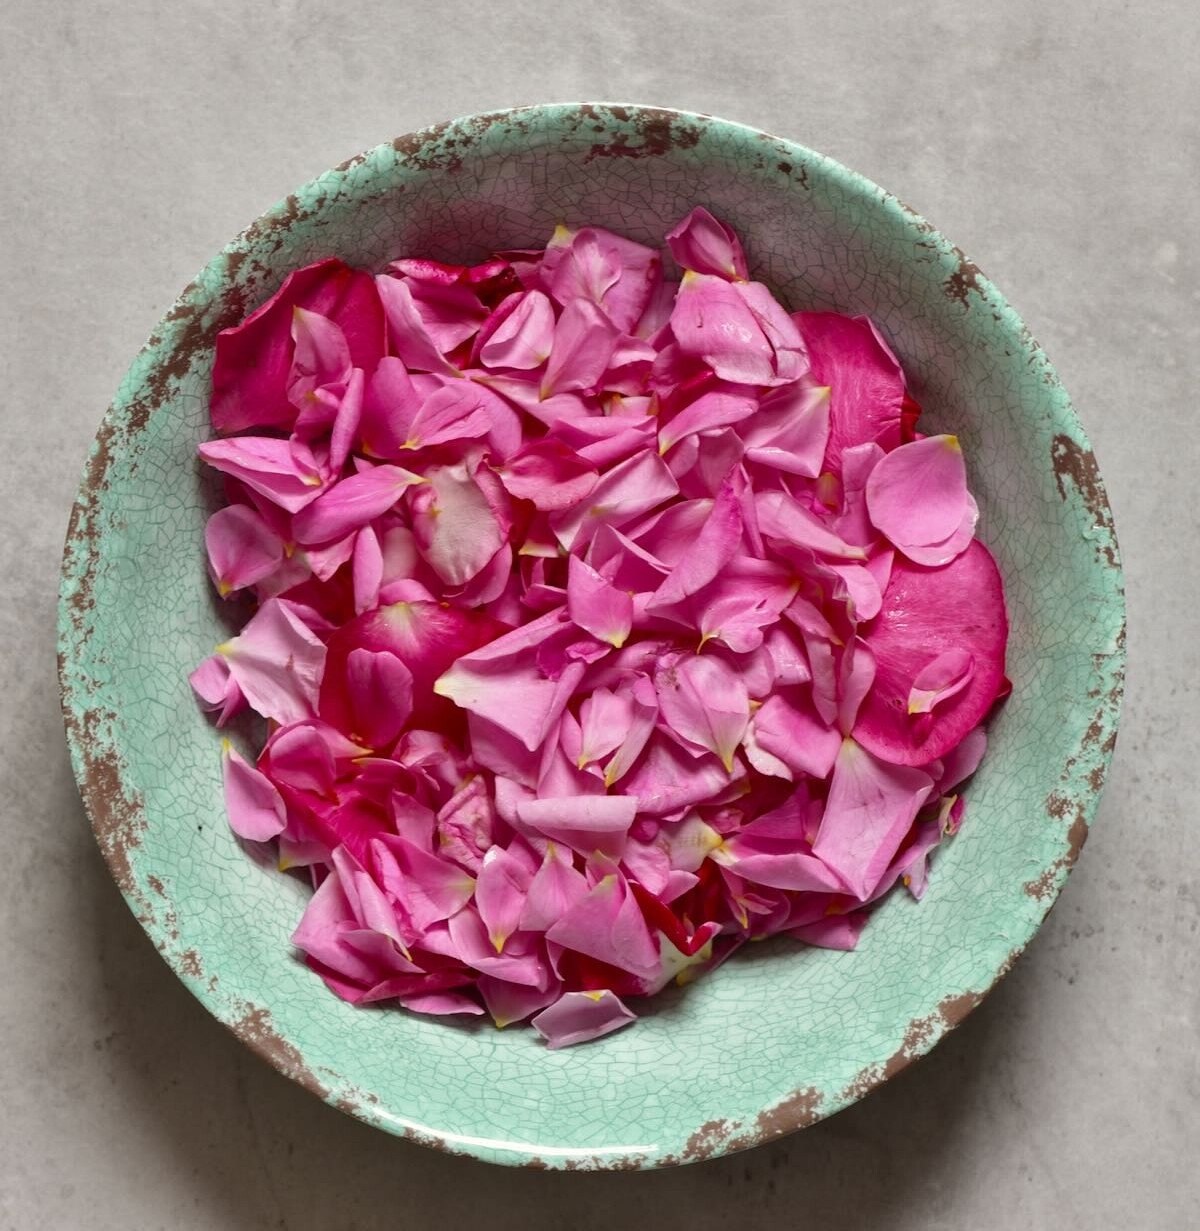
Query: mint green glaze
column 782, row 1035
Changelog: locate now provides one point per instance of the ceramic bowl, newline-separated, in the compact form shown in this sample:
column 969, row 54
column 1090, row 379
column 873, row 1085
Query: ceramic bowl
column 783, row 1035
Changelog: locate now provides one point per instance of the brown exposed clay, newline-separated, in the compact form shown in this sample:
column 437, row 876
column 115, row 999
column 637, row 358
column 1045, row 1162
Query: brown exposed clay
column 1047, row 883
column 658, row 131
column 1077, row 465
column 189, row 963
column 798, row 1110
column 257, row 1031
column 964, row 279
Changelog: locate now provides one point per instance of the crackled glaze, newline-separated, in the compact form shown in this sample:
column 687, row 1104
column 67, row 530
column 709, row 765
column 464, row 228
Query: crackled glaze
column 783, row 1035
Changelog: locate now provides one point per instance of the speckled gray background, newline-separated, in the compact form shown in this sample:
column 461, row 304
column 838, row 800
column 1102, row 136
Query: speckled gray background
column 1057, row 144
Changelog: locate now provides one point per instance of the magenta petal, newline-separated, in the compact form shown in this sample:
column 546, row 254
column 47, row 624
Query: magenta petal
column 711, row 322
column 523, row 338
column 266, row 466
column 871, row 806
column 555, row 888
column 608, row 925
column 549, row 474
column 706, row 703
column 702, row 243
column 426, row 887
column 710, row 551
column 409, row 337
column 352, row 503
column 925, row 613
column 252, row 803
column 865, row 380
column 598, row 267
column 380, row 690
column 941, row 678
column 586, row 824
column 918, row 493
column 718, row 408
column 500, row 890
column 597, row 607
column 578, row 1017
column 459, row 410
column 242, row 548
column 624, row 493
column 583, row 345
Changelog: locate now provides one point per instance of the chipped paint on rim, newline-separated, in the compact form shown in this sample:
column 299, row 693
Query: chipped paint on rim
column 237, row 279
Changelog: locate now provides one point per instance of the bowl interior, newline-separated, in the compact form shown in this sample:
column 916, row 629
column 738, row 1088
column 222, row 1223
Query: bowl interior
column 783, row 1035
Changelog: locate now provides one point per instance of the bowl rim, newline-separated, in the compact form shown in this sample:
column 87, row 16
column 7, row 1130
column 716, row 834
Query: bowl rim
column 113, row 810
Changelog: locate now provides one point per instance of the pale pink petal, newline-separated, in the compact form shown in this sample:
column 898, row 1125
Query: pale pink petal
column 328, row 558
column 277, row 662
column 351, row 503
column 555, row 888
column 578, row 1017
column 711, row 322
column 608, row 925
column 242, row 548
column 705, row 702
column 466, row 824
column 549, row 474
column 596, row 606
column 584, row 823
column 643, row 715
column 917, row 494
column 455, row 528
column 702, row 243
column 523, row 336
column 605, row 718
column 217, row 690
column 935, row 554
column 871, row 807
column 252, row 803
column 440, row 1004
column 943, row 677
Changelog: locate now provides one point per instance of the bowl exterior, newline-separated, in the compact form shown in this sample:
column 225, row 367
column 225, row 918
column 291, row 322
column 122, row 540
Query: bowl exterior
column 783, row 1036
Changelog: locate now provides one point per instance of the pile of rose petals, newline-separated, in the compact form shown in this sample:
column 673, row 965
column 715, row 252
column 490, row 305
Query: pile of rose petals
column 601, row 623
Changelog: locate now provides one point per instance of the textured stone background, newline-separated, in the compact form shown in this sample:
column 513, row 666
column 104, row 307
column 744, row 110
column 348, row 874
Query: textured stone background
column 1058, row 145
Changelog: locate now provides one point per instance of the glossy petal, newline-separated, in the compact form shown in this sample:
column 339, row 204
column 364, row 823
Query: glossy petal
column 917, row 494
column 242, row 548
column 266, row 466
column 352, row 503
column 252, row 803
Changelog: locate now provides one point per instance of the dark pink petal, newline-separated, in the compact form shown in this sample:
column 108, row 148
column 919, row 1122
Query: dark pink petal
column 578, row 1017
column 865, row 380
column 254, row 359
column 390, row 401
column 242, row 548
column 455, row 528
column 582, row 348
column 918, row 493
column 523, row 337
column 277, row 662
column 308, row 756
column 705, row 702
column 379, row 688
column 406, row 329
column 703, row 244
column 320, row 354
column 925, row 613
column 366, row 570
column 450, row 312
column 459, row 410
column 788, row 727
column 252, row 803
column 608, row 925
column 549, row 474
column 584, row 823
column 871, row 806
column 351, row 503
column 717, row 408
column 596, row 606
column 266, row 466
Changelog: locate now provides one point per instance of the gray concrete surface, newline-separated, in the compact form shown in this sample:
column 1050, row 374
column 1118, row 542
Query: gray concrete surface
column 1057, row 143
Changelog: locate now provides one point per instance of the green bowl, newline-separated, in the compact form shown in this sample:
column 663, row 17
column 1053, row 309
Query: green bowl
column 783, row 1035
